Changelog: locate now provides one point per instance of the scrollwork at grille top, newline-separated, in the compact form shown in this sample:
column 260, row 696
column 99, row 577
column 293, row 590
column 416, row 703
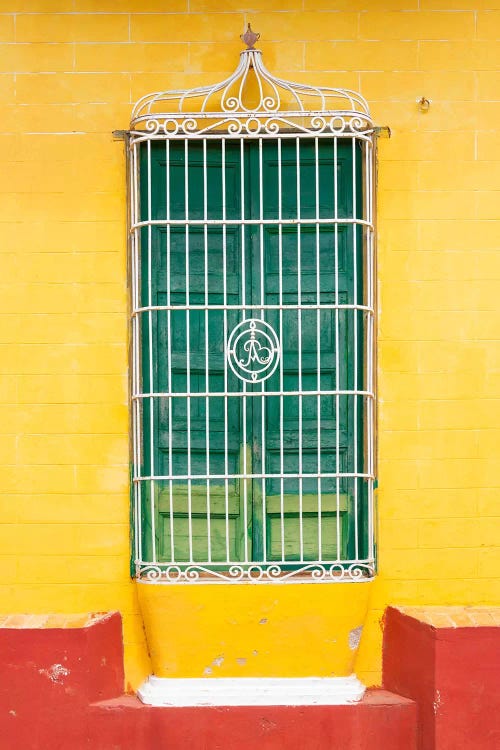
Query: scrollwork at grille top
column 252, row 102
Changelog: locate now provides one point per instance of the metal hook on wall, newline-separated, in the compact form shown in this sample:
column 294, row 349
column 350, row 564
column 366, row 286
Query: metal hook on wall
column 424, row 104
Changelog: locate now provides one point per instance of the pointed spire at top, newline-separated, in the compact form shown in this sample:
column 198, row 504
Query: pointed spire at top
column 249, row 37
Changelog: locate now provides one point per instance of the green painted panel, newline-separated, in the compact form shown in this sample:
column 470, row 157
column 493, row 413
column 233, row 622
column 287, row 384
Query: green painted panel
column 285, row 536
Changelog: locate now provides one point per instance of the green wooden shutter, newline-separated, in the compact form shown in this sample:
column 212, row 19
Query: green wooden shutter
column 182, row 267
column 292, row 523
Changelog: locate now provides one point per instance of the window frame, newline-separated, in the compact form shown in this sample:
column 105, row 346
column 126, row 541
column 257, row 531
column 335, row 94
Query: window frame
column 338, row 128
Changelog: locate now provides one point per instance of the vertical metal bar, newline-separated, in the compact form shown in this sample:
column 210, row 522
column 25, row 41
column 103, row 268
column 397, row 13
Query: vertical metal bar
column 367, row 468
column 139, row 407
column 134, row 208
column 262, row 302
column 337, row 345
column 299, row 336
column 370, row 347
column 188, row 351
column 318, row 343
column 356, row 375
column 135, row 424
column 137, row 485
column 151, row 368
column 169, row 354
column 134, row 278
column 244, row 396
column 224, row 294
column 370, row 430
column 280, row 297
column 207, row 375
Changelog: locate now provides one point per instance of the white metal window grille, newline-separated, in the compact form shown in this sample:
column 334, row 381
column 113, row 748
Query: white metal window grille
column 252, row 323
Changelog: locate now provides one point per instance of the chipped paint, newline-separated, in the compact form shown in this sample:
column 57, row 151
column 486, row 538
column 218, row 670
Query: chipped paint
column 217, row 662
column 437, row 702
column 355, row 637
column 55, row 673
column 267, row 725
column 241, row 661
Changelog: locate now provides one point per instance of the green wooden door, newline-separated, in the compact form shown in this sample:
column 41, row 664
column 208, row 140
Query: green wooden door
column 309, row 265
column 248, row 471
column 191, row 436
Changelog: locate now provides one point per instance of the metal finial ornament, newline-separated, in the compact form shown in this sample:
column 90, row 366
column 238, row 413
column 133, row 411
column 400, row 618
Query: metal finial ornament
column 249, row 37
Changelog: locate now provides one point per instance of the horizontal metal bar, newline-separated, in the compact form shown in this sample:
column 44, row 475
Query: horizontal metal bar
column 141, row 136
column 256, row 114
column 243, row 394
column 193, row 477
column 315, row 306
column 249, row 222
column 258, row 563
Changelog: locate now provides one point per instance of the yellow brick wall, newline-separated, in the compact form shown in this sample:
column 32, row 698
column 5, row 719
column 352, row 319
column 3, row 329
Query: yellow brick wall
column 69, row 73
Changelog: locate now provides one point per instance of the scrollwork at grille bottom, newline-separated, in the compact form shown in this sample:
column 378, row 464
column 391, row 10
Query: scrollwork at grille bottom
column 313, row 572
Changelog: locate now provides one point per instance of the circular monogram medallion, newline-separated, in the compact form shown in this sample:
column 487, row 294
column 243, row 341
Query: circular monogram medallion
column 253, row 350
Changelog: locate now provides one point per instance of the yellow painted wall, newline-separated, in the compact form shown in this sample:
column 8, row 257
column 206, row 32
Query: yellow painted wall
column 69, row 73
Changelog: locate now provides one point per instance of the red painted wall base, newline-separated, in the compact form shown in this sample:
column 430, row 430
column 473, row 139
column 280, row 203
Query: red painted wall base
column 382, row 721
column 448, row 661
column 60, row 689
column 50, row 675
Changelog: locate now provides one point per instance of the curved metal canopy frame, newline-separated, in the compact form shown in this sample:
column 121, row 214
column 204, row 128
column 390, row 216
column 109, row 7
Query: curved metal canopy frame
column 252, row 101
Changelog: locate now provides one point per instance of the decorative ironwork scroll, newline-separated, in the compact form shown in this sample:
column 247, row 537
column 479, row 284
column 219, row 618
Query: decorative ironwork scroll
column 252, row 102
column 253, row 350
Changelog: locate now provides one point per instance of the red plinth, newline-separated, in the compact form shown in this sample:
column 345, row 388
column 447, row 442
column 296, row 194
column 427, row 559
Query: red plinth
column 448, row 661
column 49, row 675
column 61, row 683
column 381, row 721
